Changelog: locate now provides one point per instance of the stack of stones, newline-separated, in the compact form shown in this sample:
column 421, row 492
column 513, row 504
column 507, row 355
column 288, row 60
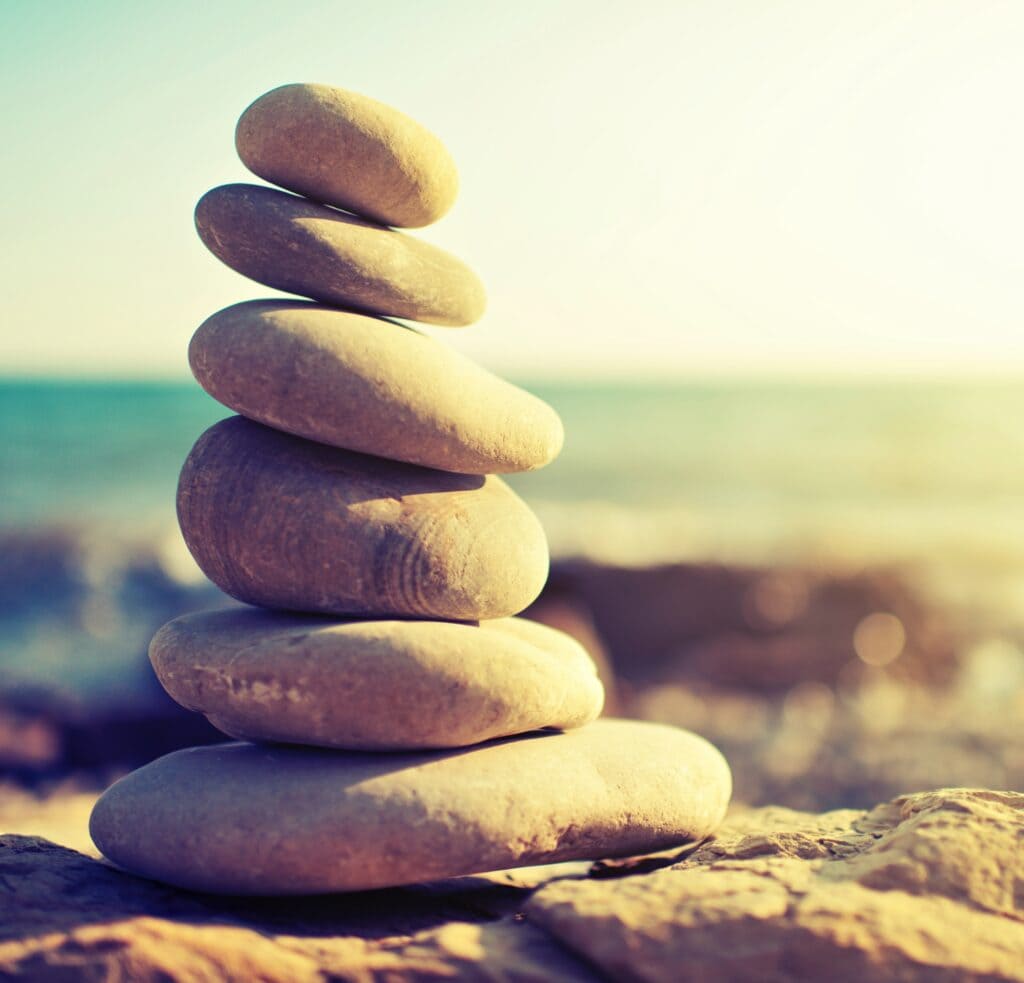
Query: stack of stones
column 395, row 722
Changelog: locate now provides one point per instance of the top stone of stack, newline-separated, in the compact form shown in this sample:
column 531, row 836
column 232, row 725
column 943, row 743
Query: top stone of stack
column 346, row 150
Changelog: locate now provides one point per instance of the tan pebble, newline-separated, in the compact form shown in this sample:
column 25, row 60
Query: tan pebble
column 305, row 248
column 374, row 685
column 372, row 386
column 283, row 522
column 348, row 150
column 266, row 819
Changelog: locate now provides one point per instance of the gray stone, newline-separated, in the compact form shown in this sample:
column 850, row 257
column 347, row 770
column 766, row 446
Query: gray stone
column 374, row 685
column 258, row 819
column 348, row 150
column 302, row 247
column 283, row 522
column 371, row 386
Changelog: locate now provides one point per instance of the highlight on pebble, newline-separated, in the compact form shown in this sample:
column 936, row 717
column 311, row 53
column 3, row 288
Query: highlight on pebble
column 330, row 663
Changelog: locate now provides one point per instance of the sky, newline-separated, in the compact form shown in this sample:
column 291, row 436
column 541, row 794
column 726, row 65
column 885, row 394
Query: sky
column 648, row 189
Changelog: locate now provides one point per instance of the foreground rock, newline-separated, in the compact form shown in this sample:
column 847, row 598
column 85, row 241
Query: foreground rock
column 286, row 523
column 246, row 819
column 66, row 916
column 348, row 150
column 921, row 888
column 924, row 888
column 305, row 248
column 374, row 685
column 370, row 386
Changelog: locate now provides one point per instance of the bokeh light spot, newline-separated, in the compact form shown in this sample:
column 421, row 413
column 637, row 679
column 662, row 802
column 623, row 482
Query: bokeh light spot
column 879, row 639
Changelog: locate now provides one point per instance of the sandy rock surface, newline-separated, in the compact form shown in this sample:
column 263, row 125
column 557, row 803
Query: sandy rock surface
column 922, row 888
column 926, row 887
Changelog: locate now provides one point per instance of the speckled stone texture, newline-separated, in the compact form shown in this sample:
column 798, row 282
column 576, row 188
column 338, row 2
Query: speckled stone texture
column 287, row 523
column 348, row 150
column 301, row 247
column 370, row 385
column 250, row 819
column 374, row 685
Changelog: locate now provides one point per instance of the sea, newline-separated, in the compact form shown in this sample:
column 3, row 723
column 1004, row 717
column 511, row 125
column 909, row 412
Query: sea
column 925, row 475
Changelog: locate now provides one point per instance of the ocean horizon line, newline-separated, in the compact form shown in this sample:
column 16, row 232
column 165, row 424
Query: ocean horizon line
column 852, row 379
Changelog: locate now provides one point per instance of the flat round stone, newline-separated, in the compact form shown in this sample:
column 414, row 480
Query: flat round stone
column 371, row 386
column 305, row 248
column 345, row 149
column 374, row 685
column 283, row 522
column 268, row 819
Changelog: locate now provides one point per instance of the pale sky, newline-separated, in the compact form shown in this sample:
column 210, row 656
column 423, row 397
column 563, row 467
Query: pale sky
column 647, row 189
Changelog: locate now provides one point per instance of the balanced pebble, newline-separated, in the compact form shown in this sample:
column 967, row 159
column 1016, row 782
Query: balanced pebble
column 372, row 386
column 305, row 248
column 374, row 685
column 348, row 150
column 283, row 522
column 259, row 819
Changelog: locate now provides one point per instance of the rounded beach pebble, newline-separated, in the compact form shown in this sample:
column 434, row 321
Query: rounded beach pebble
column 283, row 522
column 374, row 685
column 305, row 248
column 268, row 819
column 348, row 150
column 371, row 386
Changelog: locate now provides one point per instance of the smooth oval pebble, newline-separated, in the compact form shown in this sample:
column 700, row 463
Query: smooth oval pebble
column 374, row 685
column 348, row 150
column 371, row 386
column 259, row 819
column 305, row 248
column 284, row 522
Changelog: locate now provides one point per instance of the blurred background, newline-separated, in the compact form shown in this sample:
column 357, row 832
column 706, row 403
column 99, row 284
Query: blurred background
column 763, row 257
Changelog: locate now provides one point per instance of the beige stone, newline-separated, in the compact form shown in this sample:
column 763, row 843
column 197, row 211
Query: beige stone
column 266, row 819
column 371, row 386
column 348, row 150
column 68, row 917
column 374, row 685
column 924, row 888
column 306, row 248
column 283, row 522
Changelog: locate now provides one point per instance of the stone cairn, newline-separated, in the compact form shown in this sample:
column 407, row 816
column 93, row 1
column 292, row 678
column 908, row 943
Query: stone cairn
column 395, row 722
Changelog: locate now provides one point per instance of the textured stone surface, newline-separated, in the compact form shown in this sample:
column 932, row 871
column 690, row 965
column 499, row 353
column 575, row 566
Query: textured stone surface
column 922, row 888
column 371, row 386
column 374, row 685
column 927, row 887
column 345, row 149
column 283, row 522
column 259, row 819
column 65, row 916
column 302, row 247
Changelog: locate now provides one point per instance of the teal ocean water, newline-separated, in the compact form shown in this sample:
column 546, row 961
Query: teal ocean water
column 924, row 473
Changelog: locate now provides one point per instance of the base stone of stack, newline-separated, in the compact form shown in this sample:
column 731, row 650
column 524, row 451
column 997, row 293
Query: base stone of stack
column 287, row 523
column 374, row 685
column 251, row 819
